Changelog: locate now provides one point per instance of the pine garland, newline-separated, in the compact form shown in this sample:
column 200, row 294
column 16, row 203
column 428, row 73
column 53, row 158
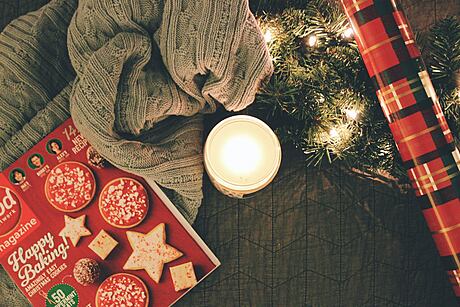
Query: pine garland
column 320, row 98
column 443, row 57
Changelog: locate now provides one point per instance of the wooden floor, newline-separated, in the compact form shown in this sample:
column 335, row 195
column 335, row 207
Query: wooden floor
column 313, row 237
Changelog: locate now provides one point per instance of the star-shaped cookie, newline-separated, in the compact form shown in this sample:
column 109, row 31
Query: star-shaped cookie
column 150, row 252
column 74, row 228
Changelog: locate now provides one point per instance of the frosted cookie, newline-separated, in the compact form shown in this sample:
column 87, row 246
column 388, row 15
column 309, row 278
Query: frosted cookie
column 122, row 289
column 183, row 276
column 74, row 229
column 150, row 252
column 124, row 203
column 70, row 186
column 103, row 244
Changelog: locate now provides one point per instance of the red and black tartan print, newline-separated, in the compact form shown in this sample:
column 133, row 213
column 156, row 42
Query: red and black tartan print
column 419, row 128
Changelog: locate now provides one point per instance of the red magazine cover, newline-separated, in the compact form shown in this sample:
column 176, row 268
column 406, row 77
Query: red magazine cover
column 76, row 231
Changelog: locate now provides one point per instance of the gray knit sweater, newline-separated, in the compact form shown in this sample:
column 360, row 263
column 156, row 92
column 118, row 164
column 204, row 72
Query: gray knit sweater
column 135, row 75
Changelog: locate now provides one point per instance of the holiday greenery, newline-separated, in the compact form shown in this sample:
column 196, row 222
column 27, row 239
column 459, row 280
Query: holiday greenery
column 320, row 97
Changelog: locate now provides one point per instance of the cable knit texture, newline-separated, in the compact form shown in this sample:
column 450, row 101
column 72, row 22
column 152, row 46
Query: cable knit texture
column 136, row 77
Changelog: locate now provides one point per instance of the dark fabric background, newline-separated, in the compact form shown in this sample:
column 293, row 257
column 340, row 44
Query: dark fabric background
column 313, row 237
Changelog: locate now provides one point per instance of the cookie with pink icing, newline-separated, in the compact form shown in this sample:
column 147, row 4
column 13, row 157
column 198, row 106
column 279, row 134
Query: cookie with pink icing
column 124, row 202
column 122, row 289
column 70, row 186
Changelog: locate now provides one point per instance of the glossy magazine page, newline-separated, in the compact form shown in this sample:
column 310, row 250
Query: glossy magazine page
column 76, row 231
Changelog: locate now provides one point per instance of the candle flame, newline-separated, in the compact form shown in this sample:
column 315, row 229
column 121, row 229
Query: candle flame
column 241, row 155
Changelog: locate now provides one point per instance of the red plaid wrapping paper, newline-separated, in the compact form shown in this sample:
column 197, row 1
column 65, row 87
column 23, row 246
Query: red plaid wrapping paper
column 416, row 120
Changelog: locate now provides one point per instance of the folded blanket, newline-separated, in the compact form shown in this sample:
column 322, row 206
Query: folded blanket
column 136, row 77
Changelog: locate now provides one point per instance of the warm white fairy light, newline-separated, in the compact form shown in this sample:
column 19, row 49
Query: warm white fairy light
column 333, row 133
column 312, row 40
column 352, row 114
column 268, row 36
column 348, row 33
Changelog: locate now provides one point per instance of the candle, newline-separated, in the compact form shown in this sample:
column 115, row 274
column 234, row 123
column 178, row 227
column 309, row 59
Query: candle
column 242, row 155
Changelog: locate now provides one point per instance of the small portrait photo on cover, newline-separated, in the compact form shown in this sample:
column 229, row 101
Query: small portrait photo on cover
column 36, row 161
column 17, row 176
column 54, row 146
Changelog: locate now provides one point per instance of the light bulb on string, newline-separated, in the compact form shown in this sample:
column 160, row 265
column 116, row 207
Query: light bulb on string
column 333, row 133
column 352, row 114
column 348, row 33
column 321, row 99
column 312, row 40
column 268, row 35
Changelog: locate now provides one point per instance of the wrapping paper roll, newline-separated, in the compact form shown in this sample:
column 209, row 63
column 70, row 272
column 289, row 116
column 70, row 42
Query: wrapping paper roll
column 416, row 120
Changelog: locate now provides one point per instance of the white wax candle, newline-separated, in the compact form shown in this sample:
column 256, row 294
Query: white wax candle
column 242, row 155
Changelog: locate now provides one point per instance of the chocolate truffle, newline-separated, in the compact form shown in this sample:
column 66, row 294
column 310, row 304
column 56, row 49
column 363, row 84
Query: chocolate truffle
column 86, row 271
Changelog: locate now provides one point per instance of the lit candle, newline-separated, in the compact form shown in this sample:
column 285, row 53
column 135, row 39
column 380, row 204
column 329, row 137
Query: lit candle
column 242, row 155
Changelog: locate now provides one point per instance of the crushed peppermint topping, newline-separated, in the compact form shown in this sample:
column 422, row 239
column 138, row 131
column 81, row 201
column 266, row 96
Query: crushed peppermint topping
column 70, row 186
column 122, row 290
column 124, row 203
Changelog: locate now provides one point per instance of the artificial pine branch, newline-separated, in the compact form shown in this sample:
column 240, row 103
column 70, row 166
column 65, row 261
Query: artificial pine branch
column 320, row 80
column 443, row 57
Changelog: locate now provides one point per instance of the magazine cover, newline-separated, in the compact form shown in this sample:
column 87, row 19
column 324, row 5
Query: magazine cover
column 76, row 231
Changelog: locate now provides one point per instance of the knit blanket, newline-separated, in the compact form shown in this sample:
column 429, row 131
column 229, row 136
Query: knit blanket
column 136, row 77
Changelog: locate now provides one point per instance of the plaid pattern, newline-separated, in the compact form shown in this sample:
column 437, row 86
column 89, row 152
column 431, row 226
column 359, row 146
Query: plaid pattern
column 416, row 120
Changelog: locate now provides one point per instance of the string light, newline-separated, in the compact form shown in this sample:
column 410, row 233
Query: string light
column 348, row 33
column 352, row 114
column 268, row 36
column 333, row 133
column 312, row 40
